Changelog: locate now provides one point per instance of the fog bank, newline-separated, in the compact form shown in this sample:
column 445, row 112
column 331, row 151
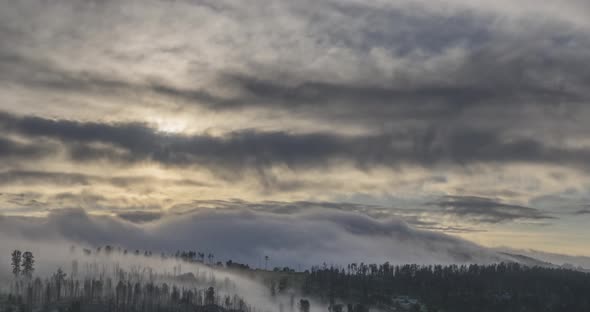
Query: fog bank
column 296, row 240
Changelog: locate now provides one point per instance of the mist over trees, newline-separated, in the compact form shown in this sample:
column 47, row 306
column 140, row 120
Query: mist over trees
column 97, row 285
column 16, row 262
column 116, row 279
column 27, row 266
column 22, row 263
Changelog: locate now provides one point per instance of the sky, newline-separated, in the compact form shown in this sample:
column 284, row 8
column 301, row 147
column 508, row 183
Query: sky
column 458, row 121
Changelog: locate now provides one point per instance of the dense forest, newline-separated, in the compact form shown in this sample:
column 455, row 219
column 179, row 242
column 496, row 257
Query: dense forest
column 109, row 279
column 501, row 287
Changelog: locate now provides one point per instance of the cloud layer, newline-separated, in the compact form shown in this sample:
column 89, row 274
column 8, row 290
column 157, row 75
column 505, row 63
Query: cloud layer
column 306, row 239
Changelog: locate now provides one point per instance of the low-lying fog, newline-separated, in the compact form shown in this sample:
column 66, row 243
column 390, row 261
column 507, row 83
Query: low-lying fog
column 295, row 240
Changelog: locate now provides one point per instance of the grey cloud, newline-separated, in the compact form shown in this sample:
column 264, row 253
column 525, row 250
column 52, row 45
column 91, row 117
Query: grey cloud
column 255, row 149
column 488, row 210
column 470, row 108
column 11, row 149
column 413, row 216
column 354, row 102
column 425, row 102
column 279, row 207
column 567, row 202
column 140, row 212
column 428, row 102
column 495, row 70
column 36, row 202
column 24, row 202
column 98, row 202
column 44, row 74
column 492, row 70
column 140, row 216
column 31, row 177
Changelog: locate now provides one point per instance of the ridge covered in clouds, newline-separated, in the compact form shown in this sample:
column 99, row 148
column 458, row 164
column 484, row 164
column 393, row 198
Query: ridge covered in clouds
column 306, row 239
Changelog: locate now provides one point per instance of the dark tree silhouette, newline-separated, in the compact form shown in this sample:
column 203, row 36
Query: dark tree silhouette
column 28, row 264
column 16, row 262
column 210, row 296
column 59, row 278
column 464, row 288
column 304, row 305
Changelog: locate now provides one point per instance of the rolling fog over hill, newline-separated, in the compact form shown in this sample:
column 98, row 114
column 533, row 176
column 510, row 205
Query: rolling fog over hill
column 117, row 279
column 247, row 236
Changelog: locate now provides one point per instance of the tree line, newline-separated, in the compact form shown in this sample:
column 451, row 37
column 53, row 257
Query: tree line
column 496, row 287
column 22, row 263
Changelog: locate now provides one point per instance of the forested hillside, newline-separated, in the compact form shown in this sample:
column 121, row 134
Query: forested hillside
column 499, row 287
column 109, row 279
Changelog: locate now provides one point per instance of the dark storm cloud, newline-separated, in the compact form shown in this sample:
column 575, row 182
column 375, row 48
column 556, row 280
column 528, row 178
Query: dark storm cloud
column 250, row 148
column 488, row 210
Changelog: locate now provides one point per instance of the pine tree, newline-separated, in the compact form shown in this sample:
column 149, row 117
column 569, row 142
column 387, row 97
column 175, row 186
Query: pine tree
column 28, row 264
column 210, row 296
column 59, row 278
column 304, row 305
column 16, row 262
